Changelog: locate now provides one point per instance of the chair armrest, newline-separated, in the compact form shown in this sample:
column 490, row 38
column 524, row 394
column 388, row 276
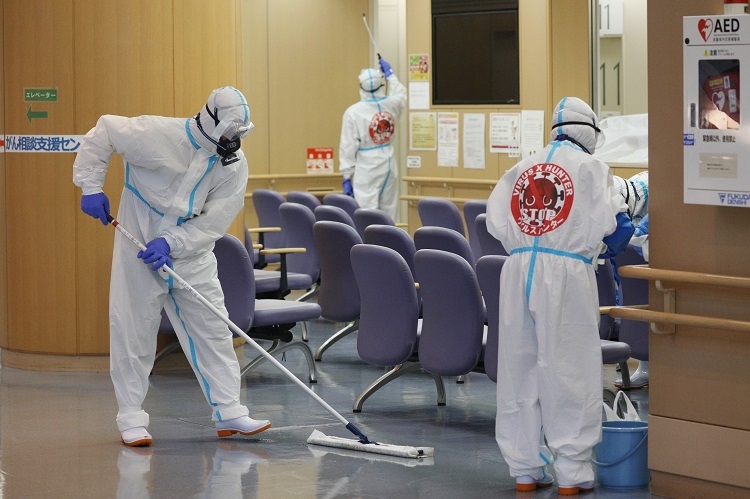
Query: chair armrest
column 282, row 252
column 261, row 231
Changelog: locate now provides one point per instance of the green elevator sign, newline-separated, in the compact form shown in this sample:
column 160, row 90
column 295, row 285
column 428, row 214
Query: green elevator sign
column 40, row 94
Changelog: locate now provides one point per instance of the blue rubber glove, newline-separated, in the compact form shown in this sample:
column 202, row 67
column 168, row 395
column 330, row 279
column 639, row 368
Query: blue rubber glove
column 347, row 185
column 96, row 205
column 642, row 228
column 157, row 251
column 618, row 240
column 386, row 68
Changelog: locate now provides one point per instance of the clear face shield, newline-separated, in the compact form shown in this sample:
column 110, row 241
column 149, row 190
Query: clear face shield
column 229, row 127
column 227, row 133
column 599, row 137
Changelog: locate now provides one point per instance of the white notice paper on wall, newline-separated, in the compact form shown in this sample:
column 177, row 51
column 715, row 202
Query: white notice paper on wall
column 447, row 139
column 532, row 132
column 505, row 134
column 474, row 140
column 419, row 95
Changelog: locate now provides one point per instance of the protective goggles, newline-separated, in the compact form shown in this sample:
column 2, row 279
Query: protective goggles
column 600, row 137
column 228, row 127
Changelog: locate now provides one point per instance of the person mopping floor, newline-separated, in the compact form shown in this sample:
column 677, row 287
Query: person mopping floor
column 185, row 182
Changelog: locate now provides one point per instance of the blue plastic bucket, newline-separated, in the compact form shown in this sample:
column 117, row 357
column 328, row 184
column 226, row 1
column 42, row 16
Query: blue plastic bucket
column 621, row 458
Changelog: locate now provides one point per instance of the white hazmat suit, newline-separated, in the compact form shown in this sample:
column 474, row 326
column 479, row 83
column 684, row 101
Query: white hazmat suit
column 551, row 211
column 366, row 147
column 178, row 188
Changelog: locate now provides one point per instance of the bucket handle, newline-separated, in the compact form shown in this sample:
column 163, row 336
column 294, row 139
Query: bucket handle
column 627, row 455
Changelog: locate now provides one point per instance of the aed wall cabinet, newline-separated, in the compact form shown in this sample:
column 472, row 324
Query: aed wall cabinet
column 716, row 139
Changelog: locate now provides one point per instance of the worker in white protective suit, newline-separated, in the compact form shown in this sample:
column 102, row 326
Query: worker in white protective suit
column 367, row 134
column 555, row 212
column 635, row 192
column 185, row 181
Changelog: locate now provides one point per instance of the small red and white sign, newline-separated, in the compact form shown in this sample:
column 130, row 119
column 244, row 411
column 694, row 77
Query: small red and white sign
column 319, row 160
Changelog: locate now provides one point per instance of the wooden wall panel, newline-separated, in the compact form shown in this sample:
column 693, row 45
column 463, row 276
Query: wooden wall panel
column 696, row 238
column 3, row 223
column 254, row 36
column 315, row 53
column 205, row 57
column 40, row 204
column 569, row 43
column 205, row 51
column 124, row 66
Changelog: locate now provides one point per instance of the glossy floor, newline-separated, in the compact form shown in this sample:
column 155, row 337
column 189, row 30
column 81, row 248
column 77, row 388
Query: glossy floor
column 58, row 436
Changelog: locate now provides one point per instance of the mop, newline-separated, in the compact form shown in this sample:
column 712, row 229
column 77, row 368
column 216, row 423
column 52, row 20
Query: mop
column 317, row 438
column 372, row 40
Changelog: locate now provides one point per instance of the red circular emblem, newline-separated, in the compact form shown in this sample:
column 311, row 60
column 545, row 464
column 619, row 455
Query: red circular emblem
column 541, row 199
column 382, row 127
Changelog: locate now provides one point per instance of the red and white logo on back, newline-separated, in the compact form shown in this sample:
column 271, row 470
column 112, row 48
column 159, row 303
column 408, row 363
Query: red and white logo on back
column 382, row 127
column 541, row 199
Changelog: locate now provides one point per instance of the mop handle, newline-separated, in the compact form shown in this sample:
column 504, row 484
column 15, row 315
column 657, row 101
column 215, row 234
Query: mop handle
column 237, row 330
column 372, row 40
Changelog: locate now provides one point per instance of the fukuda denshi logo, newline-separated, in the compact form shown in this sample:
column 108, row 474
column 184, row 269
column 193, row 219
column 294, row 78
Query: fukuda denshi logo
column 542, row 198
column 382, row 127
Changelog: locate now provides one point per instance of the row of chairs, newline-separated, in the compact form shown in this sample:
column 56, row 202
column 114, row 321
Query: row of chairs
column 432, row 211
column 338, row 245
column 446, row 301
column 343, row 307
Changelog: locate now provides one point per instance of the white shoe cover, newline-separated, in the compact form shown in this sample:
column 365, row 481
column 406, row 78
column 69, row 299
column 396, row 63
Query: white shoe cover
column 136, row 437
column 639, row 379
column 528, row 483
column 244, row 425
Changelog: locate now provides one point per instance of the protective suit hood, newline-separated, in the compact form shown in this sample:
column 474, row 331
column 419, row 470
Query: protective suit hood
column 371, row 84
column 574, row 119
column 225, row 114
column 639, row 181
column 628, row 193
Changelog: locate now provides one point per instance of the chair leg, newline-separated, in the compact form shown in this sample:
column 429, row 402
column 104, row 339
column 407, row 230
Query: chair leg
column 348, row 329
column 303, row 325
column 440, row 389
column 313, row 291
column 275, row 350
column 625, row 372
column 166, row 351
column 396, row 372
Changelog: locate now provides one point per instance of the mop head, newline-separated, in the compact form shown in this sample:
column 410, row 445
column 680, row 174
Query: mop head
column 319, row 452
column 319, row 438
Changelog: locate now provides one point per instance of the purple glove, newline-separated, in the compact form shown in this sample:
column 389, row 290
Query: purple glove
column 386, row 68
column 347, row 186
column 96, row 205
column 157, row 251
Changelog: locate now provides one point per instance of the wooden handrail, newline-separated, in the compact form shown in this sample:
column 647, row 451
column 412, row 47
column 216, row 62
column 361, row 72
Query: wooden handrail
column 272, row 176
column 655, row 317
column 450, row 180
column 651, row 274
column 669, row 317
column 414, row 197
